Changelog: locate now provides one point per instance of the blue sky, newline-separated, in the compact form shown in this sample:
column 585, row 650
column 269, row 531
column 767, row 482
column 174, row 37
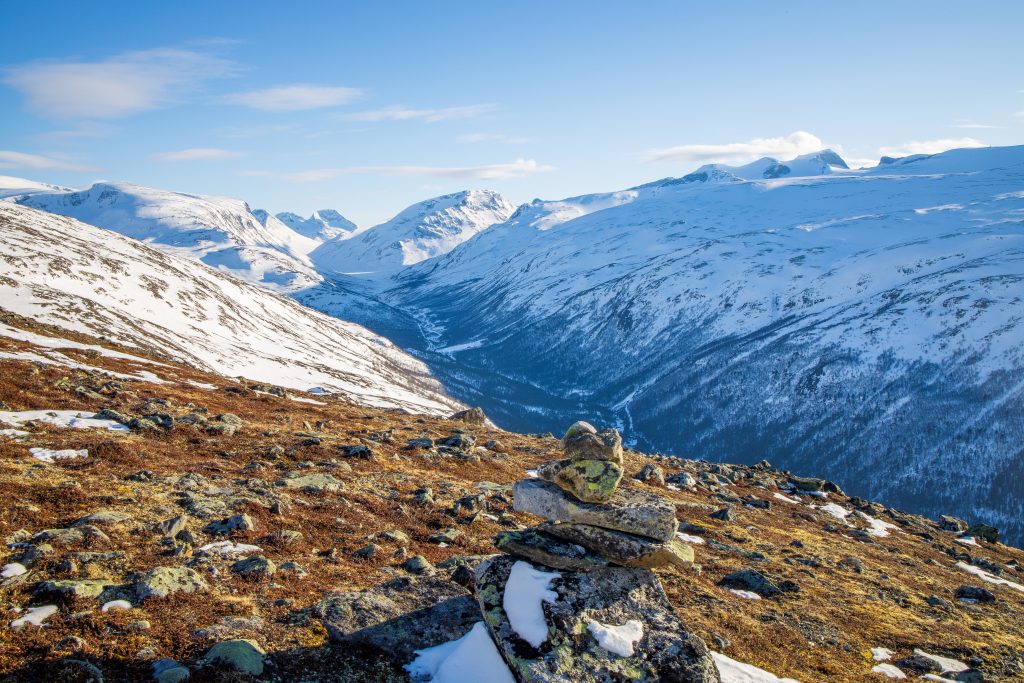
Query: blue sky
column 370, row 107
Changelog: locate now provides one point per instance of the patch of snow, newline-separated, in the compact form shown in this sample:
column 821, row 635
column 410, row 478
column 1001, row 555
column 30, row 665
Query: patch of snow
column 115, row 604
column 888, row 670
column 79, row 419
column 470, row 659
column 16, row 434
column 779, row 496
column 318, row 391
column 732, row 671
column 689, row 538
column 532, row 474
column 12, row 569
column 525, row 590
column 201, row 385
column 881, row 654
column 229, row 548
column 989, row 578
column 877, row 527
column 967, row 540
column 35, row 616
column 47, row 455
column 837, row 511
column 618, row 640
column 746, row 595
column 304, row 399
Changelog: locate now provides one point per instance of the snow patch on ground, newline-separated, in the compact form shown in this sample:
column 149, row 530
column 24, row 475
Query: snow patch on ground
column 989, row 578
column 35, row 616
column 746, row 595
column 12, row 569
column 732, row 671
column 47, row 455
column 525, row 590
column 837, row 511
column 617, row 639
column 60, row 418
column 877, row 527
column 888, row 670
column 470, row 659
column 229, row 548
column 689, row 538
column 779, row 496
column 115, row 604
column 881, row 654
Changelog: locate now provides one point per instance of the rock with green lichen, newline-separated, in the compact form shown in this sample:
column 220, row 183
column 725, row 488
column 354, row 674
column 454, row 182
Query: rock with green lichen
column 583, row 442
column 666, row 652
column 630, row 510
column 592, row 481
column 548, row 550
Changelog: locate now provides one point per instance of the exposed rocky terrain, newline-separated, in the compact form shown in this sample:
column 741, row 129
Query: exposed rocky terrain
column 187, row 523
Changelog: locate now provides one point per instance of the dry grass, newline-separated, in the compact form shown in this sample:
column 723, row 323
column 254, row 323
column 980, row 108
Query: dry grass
column 822, row 633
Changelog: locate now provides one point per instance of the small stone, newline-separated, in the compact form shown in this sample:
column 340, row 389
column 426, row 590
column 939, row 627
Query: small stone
column 173, row 526
column 726, row 514
column 948, row 523
column 169, row 671
column 424, row 495
column 975, row 593
column 473, row 416
column 417, row 564
column 242, row 522
column 312, row 483
column 103, row 518
column 422, row 443
column 651, row 474
column 592, row 481
column 74, row 589
column 754, row 581
column 367, row 551
column 583, row 444
column 984, row 532
column 395, row 536
column 242, row 655
column 257, row 567
column 163, row 581
column 69, row 644
column 447, row 536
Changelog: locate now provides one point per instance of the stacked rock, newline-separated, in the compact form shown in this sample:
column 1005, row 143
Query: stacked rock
column 601, row 614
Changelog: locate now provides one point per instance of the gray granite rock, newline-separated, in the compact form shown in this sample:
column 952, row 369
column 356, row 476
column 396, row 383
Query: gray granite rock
column 627, row 550
column 545, row 549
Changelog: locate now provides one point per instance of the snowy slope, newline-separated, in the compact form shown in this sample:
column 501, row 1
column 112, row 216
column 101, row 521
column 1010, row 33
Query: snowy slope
column 866, row 325
column 219, row 231
column 323, row 225
column 17, row 187
column 422, row 231
column 64, row 272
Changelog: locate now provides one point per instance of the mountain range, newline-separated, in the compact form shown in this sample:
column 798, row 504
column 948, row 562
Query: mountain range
column 864, row 325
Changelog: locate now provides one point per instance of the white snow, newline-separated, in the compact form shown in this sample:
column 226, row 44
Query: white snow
column 306, row 399
column 888, row 670
column 881, row 654
column 532, row 474
column 12, row 569
column 229, row 548
column 746, row 595
column 787, row 499
column 115, row 604
column 617, row 639
column 60, row 418
column 732, row 671
column 877, row 527
column 473, row 658
column 16, row 434
column 35, row 616
column 837, row 511
column 948, row 665
column 989, row 578
column 525, row 590
column 967, row 540
column 689, row 538
column 47, row 455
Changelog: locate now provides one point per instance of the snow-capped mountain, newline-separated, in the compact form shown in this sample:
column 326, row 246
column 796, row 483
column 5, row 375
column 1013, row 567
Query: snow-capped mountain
column 11, row 187
column 865, row 325
column 323, row 225
column 63, row 272
column 423, row 231
column 219, row 231
column 816, row 163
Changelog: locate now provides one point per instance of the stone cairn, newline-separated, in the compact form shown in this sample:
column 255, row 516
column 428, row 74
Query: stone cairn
column 574, row 599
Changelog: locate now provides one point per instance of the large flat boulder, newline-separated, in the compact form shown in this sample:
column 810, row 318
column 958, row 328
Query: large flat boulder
column 610, row 624
column 630, row 510
column 627, row 550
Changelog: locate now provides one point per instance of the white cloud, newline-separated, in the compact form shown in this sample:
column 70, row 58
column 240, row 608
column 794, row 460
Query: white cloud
column 399, row 113
column 929, row 146
column 295, row 97
column 474, row 138
column 514, row 169
column 196, row 154
column 794, row 144
column 967, row 123
column 38, row 162
column 120, row 86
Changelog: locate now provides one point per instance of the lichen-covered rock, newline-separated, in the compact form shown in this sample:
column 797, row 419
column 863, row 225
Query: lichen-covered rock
column 242, row 655
column 651, row 474
column 592, row 481
column 71, row 589
column 580, row 443
column 473, row 416
column 542, row 548
column 400, row 616
column 629, row 510
column 312, row 483
column 666, row 652
column 627, row 550
column 163, row 581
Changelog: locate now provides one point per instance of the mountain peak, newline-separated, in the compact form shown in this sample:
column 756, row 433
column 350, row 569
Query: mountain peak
column 322, row 225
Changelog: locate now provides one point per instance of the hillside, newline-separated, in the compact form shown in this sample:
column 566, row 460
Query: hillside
column 339, row 497
column 60, row 271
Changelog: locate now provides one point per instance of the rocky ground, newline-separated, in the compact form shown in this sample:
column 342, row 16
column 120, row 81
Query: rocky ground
column 233, row 526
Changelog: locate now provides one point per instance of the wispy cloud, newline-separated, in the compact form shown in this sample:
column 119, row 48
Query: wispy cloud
column 197, row 154
column 400, row 113
column 475, row 138
column 514, row 169
column 794, row 144
column 929, row 146
column 297, row 97
column 39, row 162
column 968, row 124
column 120, row 86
